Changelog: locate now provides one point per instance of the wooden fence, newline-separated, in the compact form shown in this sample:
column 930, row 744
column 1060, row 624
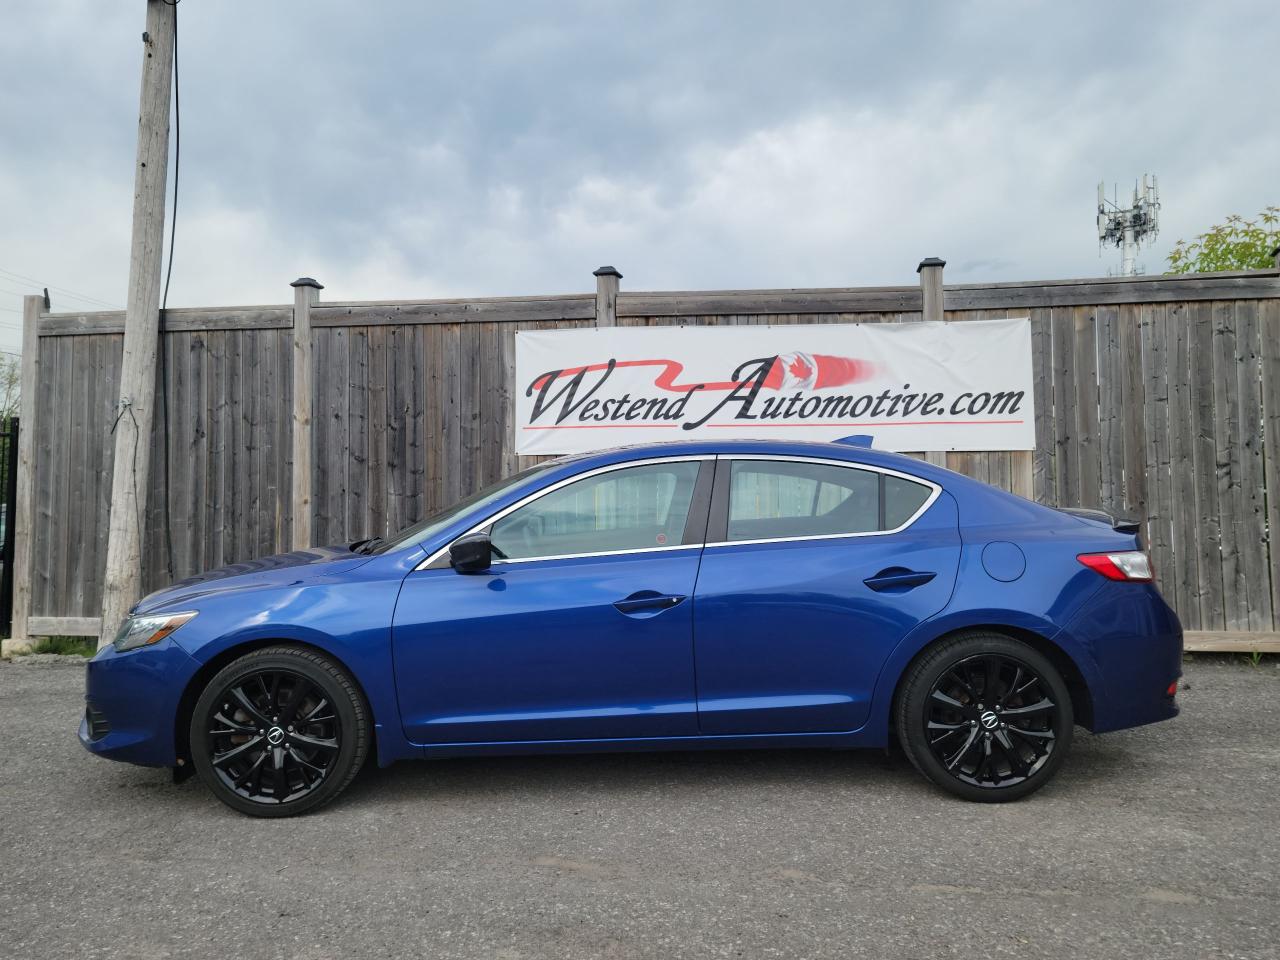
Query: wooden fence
column 1156, row 398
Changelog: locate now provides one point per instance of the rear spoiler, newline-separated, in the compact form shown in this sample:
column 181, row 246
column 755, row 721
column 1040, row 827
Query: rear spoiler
column 1100, row 516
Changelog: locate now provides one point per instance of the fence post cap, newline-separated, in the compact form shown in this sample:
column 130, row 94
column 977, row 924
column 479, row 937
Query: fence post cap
column 307, row 282
column 606, row 272
column 931, row 262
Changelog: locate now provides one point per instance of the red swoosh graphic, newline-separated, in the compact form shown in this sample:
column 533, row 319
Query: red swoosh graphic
column 829, row 372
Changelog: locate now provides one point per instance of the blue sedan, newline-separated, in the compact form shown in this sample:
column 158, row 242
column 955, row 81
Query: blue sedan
column 678, row 596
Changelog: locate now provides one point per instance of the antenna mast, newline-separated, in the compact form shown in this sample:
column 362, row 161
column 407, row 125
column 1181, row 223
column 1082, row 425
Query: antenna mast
column 1128, row 227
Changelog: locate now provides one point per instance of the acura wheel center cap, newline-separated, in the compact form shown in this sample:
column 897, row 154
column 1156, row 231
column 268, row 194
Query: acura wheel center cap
column 275, row 736
column 988, row 719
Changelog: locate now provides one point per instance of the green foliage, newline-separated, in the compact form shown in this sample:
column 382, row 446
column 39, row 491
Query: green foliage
column 76, row 646
column 1238, row 244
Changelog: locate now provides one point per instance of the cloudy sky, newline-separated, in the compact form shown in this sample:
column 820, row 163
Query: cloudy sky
column 398, row 149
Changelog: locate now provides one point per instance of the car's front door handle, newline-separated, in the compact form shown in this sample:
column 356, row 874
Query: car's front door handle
column 647, row 601
column 898, row 579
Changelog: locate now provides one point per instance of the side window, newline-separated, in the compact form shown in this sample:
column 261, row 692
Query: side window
column 627, row 509
column 773, row 499
column 902, row 498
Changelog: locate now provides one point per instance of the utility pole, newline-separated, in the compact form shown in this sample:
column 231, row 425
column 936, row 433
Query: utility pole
column 131, row 469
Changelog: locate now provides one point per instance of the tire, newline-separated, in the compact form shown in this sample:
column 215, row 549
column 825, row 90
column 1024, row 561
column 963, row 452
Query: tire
column 976, row 749
column 279, row 732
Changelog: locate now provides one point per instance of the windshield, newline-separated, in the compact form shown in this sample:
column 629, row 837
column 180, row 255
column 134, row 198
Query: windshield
column 425, row 529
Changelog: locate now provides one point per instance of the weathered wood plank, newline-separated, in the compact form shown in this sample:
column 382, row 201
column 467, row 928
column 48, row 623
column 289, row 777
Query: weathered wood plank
column 1112, row 414
column 1205, row 469
column 65, row 626
column 1222, row 641
column 379, row 426
column 1042, row 465
column 1152, row 332
column 1226, row 429
column 1269, row 355
column 1133, row 502
column 1086, row 406
column 1182, row 450
column 359, row 491
column 1066, row 448
column 453, row 311
column 198, row 318
column 1250, row 485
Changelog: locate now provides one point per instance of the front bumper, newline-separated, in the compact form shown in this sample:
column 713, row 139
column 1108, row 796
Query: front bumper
column 131, row 701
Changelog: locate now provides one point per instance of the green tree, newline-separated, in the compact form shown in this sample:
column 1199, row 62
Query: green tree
column 1238, row 244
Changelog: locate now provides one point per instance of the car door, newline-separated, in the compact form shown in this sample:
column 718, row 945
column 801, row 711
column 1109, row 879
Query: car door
column 582, row 627
column 813, row 571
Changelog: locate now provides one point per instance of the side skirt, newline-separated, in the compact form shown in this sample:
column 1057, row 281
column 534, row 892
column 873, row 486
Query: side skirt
column 770, row 741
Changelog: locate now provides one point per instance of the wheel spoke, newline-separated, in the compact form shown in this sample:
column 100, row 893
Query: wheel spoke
column 279, row 781
column 1017, row 766
column 1034, row 709
column 990, row 678
column 949, row 701
column 296, row 696
column 1013, row 686
column 248, row 705
column 234, row 726
column 959, row 754
column 315, row 742
column 224, row 758
column 254, row 769
column 1038, row 735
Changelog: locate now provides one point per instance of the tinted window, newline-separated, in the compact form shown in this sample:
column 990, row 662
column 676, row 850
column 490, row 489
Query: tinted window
column 781, row 499
column 770, row 499
column 902, row 498
column 628, row 509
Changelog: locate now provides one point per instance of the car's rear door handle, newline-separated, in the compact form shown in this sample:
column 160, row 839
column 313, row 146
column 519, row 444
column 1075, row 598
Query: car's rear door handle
column 898, row 579
column 647, row 601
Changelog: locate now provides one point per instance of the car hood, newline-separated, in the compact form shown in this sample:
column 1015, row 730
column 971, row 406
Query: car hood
column 281, row 569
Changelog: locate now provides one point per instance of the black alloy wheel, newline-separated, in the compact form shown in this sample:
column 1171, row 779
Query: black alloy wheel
column 985, row 717
column 280, row 731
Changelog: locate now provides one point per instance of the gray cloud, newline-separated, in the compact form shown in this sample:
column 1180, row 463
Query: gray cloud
column 401, row 149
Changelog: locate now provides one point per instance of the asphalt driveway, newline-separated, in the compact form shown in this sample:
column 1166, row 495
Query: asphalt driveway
column 1158, row 842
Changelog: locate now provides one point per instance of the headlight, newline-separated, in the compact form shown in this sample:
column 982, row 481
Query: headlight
column 141, row 631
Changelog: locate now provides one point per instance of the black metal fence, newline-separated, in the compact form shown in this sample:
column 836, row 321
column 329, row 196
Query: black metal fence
column 9, row 490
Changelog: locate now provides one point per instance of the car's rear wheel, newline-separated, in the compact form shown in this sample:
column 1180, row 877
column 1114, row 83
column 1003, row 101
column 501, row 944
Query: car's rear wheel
column 278, row 732
column 984, row 716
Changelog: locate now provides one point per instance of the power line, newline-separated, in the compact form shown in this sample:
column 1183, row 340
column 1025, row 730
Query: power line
column 22, row 278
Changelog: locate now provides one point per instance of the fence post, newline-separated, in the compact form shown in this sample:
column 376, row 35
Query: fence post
column 607, row 296
column 1275, row 256
column 305, row 293
column 24, row 502
column 930, row 270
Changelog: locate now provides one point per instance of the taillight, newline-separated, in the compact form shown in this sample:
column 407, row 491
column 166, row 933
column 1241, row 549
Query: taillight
column 1129, row 565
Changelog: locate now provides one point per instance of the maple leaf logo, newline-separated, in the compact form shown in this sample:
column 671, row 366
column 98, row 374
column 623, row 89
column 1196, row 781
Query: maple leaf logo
column 799, row 369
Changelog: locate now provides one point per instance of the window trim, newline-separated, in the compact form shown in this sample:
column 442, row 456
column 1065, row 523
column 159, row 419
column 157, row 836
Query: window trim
column 697, row 503
column 720, row 500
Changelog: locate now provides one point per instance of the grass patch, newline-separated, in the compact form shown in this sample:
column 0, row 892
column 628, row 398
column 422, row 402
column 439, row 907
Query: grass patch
column 75, row 646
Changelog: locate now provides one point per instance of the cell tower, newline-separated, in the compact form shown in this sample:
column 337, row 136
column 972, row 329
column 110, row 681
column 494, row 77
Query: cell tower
column 1128, row 227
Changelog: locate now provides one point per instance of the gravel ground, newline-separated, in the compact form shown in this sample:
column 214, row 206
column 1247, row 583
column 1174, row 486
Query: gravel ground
column 1157, row 842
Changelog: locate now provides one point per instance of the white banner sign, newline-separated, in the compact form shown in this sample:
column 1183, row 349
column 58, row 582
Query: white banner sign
column 910, row 386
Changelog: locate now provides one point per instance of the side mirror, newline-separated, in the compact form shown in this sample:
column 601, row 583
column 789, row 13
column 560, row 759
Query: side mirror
column 471, row 554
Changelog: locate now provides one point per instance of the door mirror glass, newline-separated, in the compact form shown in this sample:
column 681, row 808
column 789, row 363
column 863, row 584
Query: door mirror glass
column 471, row 554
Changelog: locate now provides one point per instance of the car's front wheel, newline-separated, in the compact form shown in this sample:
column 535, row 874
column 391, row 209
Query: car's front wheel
column 279, row 731
column 985, row 717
